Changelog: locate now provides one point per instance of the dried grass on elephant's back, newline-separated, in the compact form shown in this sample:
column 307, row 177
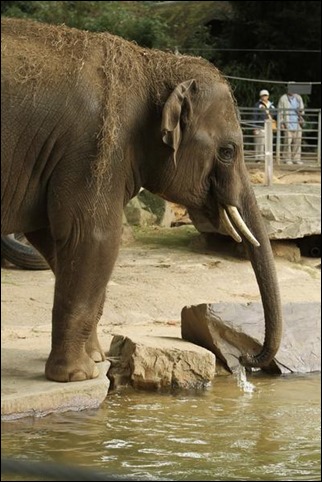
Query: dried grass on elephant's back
column 34, row 51
column 147, row 75
column 125, row 71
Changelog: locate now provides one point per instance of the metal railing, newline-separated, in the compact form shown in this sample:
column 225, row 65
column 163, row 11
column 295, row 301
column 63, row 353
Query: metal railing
column 310, row 139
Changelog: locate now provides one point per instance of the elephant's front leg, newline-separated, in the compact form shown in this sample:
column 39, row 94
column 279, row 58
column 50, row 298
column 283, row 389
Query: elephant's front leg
column 92, row 345
column 82, row 272
column 44, row 243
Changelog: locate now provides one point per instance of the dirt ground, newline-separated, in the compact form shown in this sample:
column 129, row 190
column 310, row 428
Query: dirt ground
column 155, row 276
column 293, row 175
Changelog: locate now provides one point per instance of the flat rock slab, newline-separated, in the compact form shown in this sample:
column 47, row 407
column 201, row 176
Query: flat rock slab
column 159, row 363
column 26, row 392
column 231, row 329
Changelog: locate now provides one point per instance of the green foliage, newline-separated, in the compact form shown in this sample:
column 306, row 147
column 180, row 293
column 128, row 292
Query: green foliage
column 131, row 20
column 191, row 27
column 187, row 21
column 144, row 22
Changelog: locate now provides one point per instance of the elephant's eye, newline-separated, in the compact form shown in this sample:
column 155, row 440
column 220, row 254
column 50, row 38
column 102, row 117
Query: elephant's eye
column 226, row 154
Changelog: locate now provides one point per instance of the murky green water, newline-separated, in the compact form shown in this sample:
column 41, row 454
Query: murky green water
column 220, row 434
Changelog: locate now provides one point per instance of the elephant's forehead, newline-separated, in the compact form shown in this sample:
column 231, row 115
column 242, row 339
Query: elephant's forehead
column 217, row 106
column 220, row 120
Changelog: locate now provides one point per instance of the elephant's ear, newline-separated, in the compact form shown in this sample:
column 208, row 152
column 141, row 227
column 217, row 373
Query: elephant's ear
column 176, row 108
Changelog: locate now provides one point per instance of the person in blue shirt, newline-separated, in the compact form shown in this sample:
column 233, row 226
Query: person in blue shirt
column 264, row 109
column 291, row 109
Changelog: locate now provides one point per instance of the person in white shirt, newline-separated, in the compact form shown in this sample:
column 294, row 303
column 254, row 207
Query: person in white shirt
column 291, row 109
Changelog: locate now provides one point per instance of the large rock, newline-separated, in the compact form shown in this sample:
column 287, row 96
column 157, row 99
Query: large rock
column 201, row 325
column 161, row 209
column 147, row 208
column 159, row 363
column 136, row 213
column 290, row 211
column 232, row 329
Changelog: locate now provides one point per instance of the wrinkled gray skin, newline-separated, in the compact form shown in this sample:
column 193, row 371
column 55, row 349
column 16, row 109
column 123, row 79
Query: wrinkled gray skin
column 189, row 150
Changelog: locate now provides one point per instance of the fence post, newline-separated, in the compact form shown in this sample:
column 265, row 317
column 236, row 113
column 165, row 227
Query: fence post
column 268, row 136
column 278, row 138
column 319, row 139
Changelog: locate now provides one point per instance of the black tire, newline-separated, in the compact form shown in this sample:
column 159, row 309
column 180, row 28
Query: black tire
column 310, row 246
column 16, row 249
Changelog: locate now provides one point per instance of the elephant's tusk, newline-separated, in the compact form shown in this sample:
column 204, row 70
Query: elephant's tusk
column 240, row 224
column 227, row 224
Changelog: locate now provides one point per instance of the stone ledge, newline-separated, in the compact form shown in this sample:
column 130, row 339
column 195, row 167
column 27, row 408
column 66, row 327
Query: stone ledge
column 26, row 392
column 289, row 211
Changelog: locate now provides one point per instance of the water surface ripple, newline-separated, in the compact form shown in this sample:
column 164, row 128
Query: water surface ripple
column 222, row 433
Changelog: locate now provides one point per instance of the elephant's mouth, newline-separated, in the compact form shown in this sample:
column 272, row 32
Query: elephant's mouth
column 232, row 221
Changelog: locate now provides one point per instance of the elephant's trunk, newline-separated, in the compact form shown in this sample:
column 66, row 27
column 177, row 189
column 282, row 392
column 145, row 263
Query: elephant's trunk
column 263, row 264
column 260, row 253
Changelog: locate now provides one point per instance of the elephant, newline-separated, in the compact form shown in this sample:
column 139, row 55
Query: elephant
column 88, row 120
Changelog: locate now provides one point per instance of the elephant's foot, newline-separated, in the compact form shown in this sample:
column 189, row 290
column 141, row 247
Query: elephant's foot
column 62, row 369
column 94, row 350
